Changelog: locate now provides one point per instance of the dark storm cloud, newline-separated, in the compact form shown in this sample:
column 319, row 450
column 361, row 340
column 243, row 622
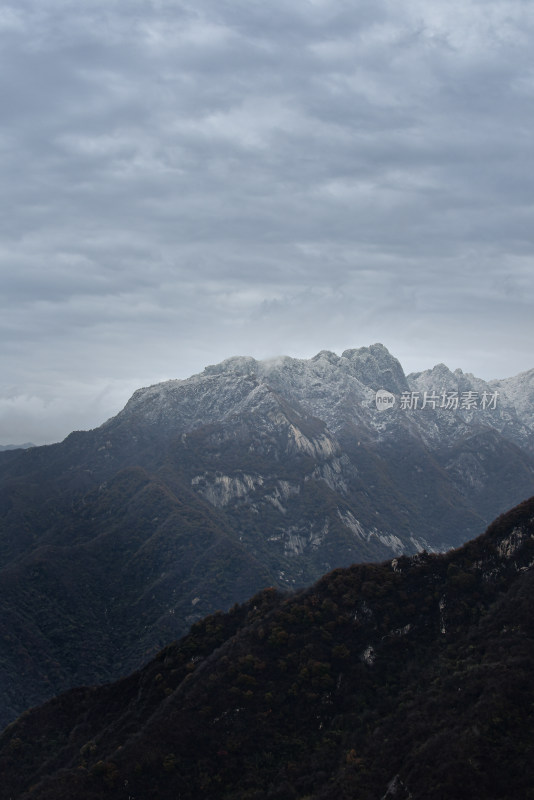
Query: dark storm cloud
column 182, row 182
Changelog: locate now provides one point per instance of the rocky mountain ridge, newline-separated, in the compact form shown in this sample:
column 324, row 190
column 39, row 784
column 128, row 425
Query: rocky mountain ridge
column 340, row 390
column 326, row 407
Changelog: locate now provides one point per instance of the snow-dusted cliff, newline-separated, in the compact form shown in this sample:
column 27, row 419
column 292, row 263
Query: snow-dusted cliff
column 437, row 404
column 447, row 450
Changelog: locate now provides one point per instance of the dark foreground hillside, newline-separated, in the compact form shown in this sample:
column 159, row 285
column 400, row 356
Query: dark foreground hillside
column 406, row 679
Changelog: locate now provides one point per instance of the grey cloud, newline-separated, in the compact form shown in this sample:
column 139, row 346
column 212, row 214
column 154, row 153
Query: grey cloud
column 190, row 181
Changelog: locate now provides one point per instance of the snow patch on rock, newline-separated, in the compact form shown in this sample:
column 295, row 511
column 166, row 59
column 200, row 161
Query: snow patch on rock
column 219, row 490
column 388, row 539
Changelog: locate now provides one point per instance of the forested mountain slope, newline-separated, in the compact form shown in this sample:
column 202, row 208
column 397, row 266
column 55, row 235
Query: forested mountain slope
column 406, row 679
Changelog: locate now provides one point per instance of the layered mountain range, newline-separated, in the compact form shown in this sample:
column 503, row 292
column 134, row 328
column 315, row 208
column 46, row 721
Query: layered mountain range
column 403, row 680
column 201, row 492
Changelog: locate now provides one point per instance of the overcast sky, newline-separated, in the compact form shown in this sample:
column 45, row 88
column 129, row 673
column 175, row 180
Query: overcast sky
column 186, row 181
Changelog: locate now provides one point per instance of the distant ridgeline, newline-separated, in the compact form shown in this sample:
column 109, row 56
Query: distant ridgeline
column 406, row 679
column 201, row 492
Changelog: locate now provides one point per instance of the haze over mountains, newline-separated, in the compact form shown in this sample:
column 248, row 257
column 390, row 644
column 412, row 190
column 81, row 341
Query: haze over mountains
column 201, row 492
